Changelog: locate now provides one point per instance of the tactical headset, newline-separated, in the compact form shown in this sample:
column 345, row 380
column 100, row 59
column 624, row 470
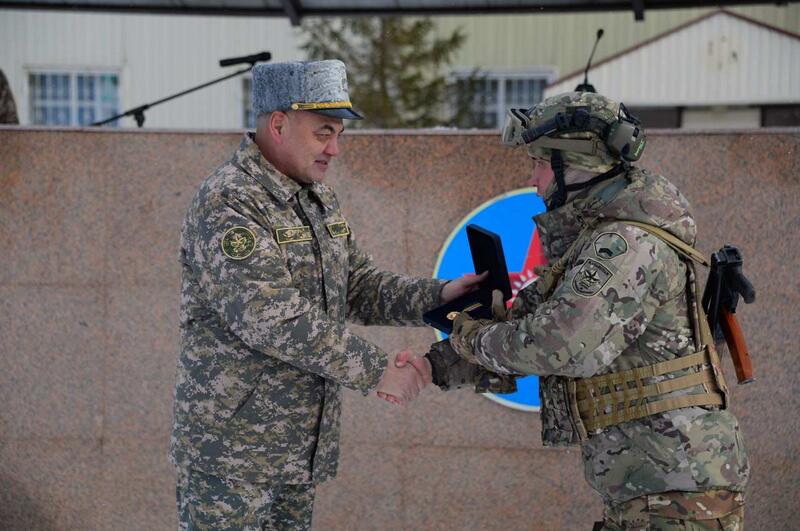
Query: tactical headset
column 623, row 138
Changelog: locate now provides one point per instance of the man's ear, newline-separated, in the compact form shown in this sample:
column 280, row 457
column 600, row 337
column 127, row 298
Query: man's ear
column 278, row 124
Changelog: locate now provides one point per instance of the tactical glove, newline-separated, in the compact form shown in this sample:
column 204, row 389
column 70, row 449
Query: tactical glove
column 465, row 328
column 500, row 311
column 451, row 371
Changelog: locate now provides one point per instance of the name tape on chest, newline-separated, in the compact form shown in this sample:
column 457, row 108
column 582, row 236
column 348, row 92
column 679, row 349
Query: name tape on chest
column 338, row 229
column 293, row 234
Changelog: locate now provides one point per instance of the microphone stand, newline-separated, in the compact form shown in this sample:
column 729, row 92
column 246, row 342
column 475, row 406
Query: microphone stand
column 138, row 112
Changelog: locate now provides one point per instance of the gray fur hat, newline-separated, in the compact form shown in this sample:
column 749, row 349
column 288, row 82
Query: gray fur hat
column 316, row 86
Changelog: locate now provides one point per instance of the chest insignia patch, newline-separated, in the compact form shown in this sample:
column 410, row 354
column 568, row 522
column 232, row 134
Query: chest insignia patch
column 293, row 234
column 610, row 245
column 590, row 278
column 238, row 243
column 338, row 229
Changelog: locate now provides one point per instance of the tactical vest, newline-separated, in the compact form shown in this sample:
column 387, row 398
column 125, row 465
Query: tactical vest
column 598, row 402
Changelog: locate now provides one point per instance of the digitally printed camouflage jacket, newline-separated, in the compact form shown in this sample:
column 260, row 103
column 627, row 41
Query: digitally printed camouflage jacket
column 621, row 303
column 270, row 273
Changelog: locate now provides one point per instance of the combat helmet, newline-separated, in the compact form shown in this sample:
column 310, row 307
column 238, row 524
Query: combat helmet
column 584, row 130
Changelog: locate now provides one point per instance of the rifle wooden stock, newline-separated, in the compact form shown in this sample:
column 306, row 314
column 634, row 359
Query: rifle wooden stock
column 734, row 337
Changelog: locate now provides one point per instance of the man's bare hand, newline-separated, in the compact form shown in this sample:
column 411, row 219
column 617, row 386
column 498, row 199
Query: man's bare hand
column 461, row 286
column 401, row 385
column 420, row 363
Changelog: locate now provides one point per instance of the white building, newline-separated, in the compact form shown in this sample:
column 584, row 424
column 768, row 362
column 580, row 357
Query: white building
column 74, row 65
column 74, row 68
column 722, row 70
column 547, row 49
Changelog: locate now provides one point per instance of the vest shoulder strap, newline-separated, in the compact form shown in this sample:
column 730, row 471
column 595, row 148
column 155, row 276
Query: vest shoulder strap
column 673, row 241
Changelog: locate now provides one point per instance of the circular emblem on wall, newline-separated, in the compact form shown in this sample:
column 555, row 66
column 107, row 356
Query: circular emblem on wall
column 238, row 243
column 508, row 215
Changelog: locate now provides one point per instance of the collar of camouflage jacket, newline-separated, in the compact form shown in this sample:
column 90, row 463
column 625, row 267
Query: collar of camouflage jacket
column 282, row 187
column 638, row 195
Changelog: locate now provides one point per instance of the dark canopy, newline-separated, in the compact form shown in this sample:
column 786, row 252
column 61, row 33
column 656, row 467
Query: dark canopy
column 295, row 10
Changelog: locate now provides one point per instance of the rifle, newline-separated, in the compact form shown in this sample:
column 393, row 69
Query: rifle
column 725, row 284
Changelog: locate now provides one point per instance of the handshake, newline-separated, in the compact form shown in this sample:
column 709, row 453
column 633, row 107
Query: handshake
column 409, row 374
column 405, row 378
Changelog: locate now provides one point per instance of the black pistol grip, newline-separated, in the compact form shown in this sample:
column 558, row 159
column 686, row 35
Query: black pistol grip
column 743, row 286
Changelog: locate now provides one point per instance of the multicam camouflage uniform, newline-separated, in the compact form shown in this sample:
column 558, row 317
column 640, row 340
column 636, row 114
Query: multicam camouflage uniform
column 270, row 273
column 8, row 109
column 621, row 303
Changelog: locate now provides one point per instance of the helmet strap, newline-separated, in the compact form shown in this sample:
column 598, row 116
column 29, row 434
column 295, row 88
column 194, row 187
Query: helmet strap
column 560, row 196
column 562, row 189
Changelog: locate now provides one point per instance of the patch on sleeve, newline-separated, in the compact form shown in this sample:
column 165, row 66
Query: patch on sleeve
column 238, row 243
column 293, row 234
column 609, row 245
column 338, row 229
column 590, row 278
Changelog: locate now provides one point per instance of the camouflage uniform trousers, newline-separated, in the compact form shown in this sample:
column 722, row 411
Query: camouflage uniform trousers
column 677, row 511
column 207, row 502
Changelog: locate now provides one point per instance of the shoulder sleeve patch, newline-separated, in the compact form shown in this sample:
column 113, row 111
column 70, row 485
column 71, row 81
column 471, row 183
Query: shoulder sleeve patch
column 610, row 245
column 590, row 278
column 238, row 243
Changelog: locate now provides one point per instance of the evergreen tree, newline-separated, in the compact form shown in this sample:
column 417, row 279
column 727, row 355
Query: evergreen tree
column 396, row 68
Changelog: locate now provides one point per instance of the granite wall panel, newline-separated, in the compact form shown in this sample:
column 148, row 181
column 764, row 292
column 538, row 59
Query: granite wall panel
column 54, row 208
column 53, row 343
column 89, row 294
column 136, row 488
column 140, row 362
column 369, row 492
column 496, row 489
column 52, row 484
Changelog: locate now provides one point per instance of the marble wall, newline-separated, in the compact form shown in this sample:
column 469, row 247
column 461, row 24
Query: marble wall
column 89, row 296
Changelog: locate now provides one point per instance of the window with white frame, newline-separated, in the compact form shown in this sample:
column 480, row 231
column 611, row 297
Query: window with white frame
column 72, row 97
column 489, row 95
